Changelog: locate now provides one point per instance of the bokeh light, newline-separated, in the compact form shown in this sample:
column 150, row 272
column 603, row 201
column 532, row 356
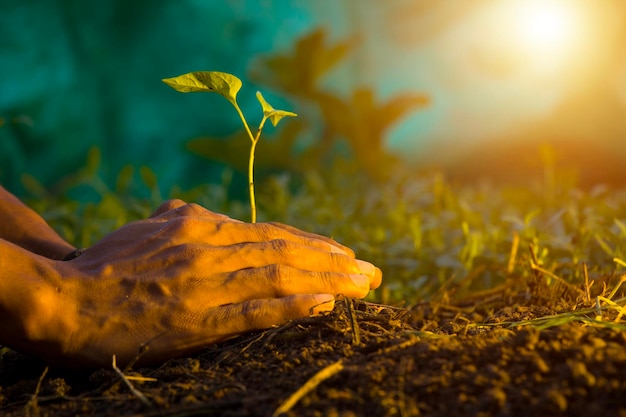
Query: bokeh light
column 540, row 38
column 543, row 25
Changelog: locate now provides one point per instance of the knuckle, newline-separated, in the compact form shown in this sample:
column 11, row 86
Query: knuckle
column 187, row 209
column 332, row 282
column 253, row 314
column 182, row 225
column 326, row 279
column 280, row 278
column 284, row 248
column 176, row 252
column 175, row 202
column 342, row 263
column 195, row 208
column 168, row 205
column 266, row 231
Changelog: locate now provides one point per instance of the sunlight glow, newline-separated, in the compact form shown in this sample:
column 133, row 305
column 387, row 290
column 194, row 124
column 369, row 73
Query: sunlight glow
column 543, row 25
column 540, row 38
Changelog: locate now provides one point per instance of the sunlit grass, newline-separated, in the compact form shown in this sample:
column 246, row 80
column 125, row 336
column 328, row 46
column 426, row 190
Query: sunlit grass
column 434, row 240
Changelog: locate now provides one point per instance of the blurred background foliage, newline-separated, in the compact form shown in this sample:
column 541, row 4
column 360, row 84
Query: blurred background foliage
column 434, row 239
column 448, row 142
column 87, row 75
column 474, row 89
column 360, row 119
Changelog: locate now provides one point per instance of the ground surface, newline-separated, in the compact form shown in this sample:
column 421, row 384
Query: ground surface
column 432, row 360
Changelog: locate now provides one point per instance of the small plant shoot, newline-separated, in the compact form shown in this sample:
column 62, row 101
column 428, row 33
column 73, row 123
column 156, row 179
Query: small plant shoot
column 228, row 86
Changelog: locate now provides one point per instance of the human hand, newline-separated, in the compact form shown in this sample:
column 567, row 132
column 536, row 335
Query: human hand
column 186, row 278
column 22, row 226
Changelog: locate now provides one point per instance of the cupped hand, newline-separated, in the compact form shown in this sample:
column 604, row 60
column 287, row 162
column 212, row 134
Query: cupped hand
column 186, row 278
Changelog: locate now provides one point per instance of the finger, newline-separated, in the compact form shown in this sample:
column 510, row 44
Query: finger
column 272, row 231
column 221, row 323
column 222, row 258
column 307, row 235
column 182, row 225
column 375, row 274
column 290, row 268
column 262, row 314
column 263, row 231
column 276, row 281
column 376, row 279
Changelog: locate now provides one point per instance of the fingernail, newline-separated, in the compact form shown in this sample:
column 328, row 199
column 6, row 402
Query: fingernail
column 324, row 303
column 360, row 281
column 366, row 267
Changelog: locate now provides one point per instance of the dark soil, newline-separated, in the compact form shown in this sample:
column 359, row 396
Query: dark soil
column 431, row 360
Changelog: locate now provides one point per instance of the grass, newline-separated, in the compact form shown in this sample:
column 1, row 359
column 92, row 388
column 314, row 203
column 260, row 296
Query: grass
column 536, row 272
column 434, row 240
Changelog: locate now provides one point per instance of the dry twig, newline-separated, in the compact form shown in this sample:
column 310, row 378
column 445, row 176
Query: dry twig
column 309, row 386
column 354, row 324
column 130, row 386
column 32, row 404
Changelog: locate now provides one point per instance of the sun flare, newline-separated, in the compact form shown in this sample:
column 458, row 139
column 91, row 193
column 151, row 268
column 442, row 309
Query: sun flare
column 538, row 37
column 543, row 25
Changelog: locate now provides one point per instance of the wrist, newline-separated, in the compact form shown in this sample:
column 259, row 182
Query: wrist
column 23, row 227
column 33, row 317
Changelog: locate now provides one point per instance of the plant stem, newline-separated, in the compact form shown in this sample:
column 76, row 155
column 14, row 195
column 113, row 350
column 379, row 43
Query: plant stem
column 255, row 140
column 251, row 181
column 243, row 119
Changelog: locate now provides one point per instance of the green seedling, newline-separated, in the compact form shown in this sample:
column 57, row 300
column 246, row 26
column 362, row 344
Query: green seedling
column 228, row 86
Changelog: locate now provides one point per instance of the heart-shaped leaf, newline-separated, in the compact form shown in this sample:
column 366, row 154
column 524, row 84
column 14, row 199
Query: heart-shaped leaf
column 207, row 81
column 268, row 111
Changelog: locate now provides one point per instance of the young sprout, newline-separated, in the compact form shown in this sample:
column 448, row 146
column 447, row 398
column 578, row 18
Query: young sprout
column 228, row 86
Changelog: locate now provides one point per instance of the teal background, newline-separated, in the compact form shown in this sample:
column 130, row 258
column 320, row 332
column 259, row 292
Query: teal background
column 76, row 74
column 88, row 73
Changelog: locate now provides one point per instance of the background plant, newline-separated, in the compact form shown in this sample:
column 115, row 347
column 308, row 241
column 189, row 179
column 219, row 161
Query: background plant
column 329, row 120
column 227, row 85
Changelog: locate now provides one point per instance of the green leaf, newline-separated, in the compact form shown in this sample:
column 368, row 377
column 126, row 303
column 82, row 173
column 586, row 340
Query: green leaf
column 270, row 112
column 149, row 177
column 207, row 81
